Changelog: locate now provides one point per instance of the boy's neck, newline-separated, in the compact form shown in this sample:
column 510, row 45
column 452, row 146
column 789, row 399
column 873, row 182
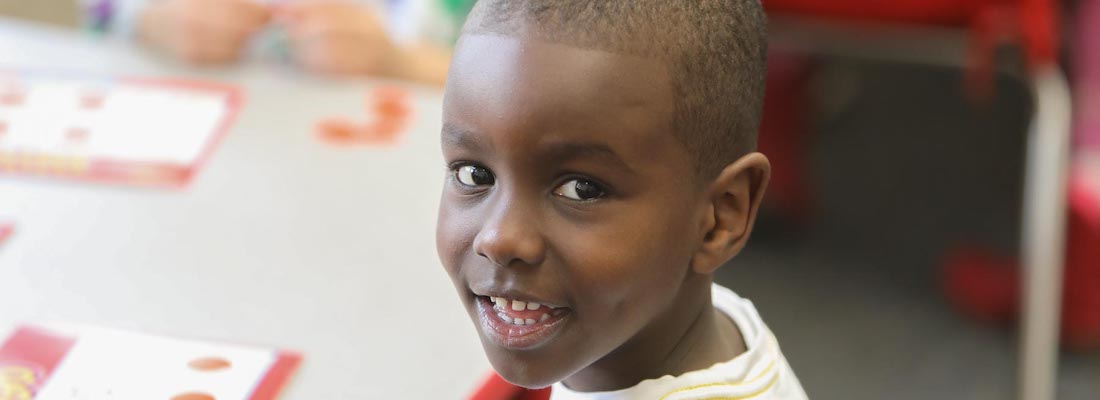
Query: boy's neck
column 676, row 343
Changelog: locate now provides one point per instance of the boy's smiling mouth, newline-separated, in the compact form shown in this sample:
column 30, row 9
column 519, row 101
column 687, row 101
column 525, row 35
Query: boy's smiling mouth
column 518, row 324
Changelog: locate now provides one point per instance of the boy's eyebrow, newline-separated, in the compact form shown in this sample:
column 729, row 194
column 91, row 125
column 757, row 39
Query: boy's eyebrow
column 564, row 151
column 455, row 136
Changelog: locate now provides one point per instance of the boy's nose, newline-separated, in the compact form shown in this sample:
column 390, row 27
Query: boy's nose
column 510, row 236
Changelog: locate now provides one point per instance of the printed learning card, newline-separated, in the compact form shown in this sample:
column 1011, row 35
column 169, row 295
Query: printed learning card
column 83, row 363
column 115, row 130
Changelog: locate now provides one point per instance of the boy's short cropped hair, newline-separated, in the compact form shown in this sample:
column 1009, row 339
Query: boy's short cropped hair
column 714, row 50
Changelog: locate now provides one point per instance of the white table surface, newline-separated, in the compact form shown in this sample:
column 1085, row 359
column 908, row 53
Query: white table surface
column 281, row 240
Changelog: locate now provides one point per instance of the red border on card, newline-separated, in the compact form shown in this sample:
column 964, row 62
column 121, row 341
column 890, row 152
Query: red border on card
column 277, row 376
column 233, row 104
column 44, row 348
column 138, row 173
column 6, row 230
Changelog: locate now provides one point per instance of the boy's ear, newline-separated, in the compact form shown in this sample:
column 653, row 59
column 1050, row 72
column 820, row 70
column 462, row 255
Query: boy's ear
column 734, row 196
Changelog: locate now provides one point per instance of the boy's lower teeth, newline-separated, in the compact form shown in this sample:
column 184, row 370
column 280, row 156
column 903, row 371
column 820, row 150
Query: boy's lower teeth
column 522, row 321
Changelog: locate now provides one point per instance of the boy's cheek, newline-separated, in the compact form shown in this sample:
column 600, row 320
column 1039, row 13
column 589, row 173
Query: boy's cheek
column 444, row 236
column 616, row 266
column 601, row 266
column 453, row 236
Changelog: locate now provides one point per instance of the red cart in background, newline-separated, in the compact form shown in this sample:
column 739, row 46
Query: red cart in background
column 962, row 33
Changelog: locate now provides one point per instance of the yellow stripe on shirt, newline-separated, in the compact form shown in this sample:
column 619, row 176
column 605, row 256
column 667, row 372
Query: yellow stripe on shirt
column 762, row 374
column 750, row 395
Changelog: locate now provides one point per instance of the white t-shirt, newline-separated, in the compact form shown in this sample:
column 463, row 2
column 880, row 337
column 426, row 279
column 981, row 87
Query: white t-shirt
column 760, row 373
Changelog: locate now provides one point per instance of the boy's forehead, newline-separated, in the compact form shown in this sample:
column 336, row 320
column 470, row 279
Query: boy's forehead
column 531, row 61
column 498, row 82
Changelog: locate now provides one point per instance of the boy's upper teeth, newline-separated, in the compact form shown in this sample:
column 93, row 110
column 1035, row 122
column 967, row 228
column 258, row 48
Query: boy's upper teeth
column 516, row 305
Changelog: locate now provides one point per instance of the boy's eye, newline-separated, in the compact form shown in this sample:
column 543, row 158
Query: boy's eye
column 472, row 175
column 580, row 190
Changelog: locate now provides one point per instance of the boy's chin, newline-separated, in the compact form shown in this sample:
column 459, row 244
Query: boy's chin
column 525, row 373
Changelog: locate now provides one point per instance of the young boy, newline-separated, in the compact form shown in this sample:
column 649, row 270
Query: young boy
column 601, row 169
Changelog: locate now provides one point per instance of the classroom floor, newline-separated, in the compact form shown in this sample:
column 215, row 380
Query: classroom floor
column 904, row 168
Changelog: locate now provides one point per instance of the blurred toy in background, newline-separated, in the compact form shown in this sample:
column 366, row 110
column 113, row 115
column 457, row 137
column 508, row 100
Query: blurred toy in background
column 53, row 12
column 398, row 39
column 389, row 112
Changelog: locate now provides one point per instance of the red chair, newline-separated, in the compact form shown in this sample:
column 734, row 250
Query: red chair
column 929, row 31
column 1033, row 21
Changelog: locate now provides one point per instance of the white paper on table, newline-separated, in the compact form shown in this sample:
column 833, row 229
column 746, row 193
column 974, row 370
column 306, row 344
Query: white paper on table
column 139, row 123
column 116, row 365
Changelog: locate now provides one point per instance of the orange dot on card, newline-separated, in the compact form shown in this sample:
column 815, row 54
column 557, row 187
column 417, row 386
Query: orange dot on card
column 209, row 364
column 11, row 98
column 91, row 100
column 76, row 134
column 194, row 396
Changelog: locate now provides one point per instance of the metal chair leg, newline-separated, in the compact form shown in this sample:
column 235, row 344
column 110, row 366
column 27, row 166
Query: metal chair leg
column 1043, row 242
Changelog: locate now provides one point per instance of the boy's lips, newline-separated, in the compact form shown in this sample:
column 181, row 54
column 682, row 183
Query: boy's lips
column 518, row 324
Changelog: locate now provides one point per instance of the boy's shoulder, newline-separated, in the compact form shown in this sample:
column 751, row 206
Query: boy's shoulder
column 761, row 372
